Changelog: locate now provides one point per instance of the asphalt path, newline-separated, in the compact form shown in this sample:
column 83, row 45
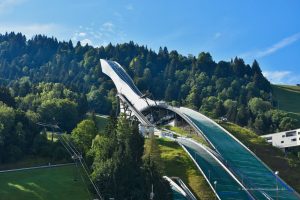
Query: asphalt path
column 36, row 167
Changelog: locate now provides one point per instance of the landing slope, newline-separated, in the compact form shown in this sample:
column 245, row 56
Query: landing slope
column 246, row 166
column 288, row 166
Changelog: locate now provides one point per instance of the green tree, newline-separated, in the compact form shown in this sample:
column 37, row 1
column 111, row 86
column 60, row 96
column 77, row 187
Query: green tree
column 257, row 105
column 7, row 120
column 259, row 80
column 83, row 135
column 136, row 65
column 219, row 110
column 6, row 97
column 118, row 169
column 260, row 124
column 287, row 123
column 62, row 111
column 243, row 116
column 209, row 105
column 193, row 98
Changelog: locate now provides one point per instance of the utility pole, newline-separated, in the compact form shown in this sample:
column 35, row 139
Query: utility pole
column 152, row 194
column 215, row 184
column 52, row 129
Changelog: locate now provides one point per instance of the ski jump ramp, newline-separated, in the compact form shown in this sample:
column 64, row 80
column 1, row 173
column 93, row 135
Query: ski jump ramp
column 230, row 168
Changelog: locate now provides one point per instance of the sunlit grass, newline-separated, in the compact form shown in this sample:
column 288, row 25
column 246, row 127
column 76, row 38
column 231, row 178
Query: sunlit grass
column 42, row 184
column 49, row 136
column 187, row 133
column 288, row 97
column 101, row 121
column 174, row 161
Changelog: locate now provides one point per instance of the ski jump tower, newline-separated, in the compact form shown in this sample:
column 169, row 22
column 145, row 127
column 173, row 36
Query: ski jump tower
column 131, row 99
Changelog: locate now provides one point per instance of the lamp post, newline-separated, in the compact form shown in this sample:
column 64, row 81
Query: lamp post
column 152, row 194
column 215, row 184
column 276, row 174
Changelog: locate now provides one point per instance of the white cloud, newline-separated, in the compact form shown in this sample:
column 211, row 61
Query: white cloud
column 129, row 7
column 272, row 49
column 86, row 41
column 108, row 26
column 282, row 77
column 32, row 29
column 99, row 35
column 82, row 34
column 281, row 44
column 276, row 76
column 7, row 5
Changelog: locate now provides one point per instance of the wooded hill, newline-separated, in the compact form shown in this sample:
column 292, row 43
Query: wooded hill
column 232, row 88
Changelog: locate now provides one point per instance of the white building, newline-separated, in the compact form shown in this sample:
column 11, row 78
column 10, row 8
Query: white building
column 284, row 139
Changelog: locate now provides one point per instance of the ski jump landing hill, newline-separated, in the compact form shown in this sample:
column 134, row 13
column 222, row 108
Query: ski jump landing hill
column 230, row 168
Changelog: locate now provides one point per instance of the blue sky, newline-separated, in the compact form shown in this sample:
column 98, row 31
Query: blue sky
column 268, row 31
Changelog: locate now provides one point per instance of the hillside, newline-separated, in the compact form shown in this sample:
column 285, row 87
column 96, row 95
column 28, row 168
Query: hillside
column 43, row 68
column 287, row 97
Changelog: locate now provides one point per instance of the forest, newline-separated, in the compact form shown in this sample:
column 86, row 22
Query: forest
column 42, row 71
column 46, row 80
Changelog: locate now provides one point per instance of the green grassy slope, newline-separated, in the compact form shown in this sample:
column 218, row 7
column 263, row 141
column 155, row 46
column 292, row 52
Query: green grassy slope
column 288, row 167
column 174, row 161
column 42, row 184
column 288, row 97
column 101, row 121
column 181, row 132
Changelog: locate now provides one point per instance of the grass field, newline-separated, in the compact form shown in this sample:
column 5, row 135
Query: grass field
column 288, row 166
column 288, row 98
column 191, row 134
column 101, row 121
column 291, row 88
column 42, row 184
column 174, row 161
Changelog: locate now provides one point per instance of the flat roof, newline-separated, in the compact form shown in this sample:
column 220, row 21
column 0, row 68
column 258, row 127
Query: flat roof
column 270, row 134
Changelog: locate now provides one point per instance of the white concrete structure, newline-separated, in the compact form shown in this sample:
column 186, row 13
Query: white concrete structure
column 284, row 139
column 125, row 84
